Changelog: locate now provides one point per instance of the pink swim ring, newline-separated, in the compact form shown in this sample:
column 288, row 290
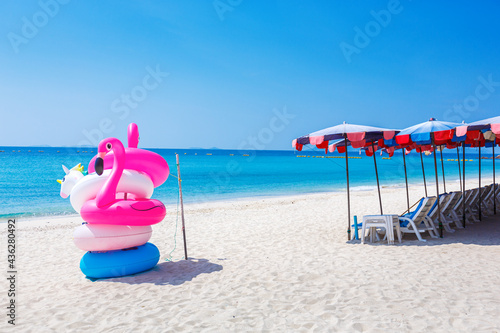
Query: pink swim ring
column 106, row 208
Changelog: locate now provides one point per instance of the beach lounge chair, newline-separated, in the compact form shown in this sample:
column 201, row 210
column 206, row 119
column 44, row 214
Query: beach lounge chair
column 487, row 202
column 472, row 197
column 498, row 194
column 456, row 213
column 474, row 204
column 448, row 211
column 433, row 213
column 418, row 222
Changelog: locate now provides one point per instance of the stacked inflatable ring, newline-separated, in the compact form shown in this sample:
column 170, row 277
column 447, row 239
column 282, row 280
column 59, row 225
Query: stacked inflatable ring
column 115, row 201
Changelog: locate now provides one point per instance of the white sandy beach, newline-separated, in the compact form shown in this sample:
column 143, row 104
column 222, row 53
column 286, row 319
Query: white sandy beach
column 275, row 265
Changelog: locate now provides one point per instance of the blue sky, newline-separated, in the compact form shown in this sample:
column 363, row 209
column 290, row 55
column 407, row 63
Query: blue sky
column 240, row 73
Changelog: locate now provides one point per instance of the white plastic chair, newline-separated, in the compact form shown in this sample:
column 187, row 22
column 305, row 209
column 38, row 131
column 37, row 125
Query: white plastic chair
column 387, row 221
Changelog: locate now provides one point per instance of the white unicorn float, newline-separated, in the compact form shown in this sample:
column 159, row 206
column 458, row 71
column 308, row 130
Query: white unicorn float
column 72, row 177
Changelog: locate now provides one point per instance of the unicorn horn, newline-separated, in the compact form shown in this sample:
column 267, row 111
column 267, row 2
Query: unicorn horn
column 78, row 167
column 66, row 170
column 59, row 181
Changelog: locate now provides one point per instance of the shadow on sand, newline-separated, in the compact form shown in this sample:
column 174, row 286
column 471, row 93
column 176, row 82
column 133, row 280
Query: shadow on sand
column 170, row 273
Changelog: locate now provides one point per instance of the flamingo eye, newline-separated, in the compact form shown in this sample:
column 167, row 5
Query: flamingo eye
column 108, row 146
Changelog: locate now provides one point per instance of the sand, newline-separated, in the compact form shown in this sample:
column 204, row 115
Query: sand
column 273, row 265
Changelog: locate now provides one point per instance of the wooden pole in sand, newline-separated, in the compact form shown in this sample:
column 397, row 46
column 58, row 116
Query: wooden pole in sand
column 437, row 189
column 442, row 168
column 459, row 172
column 182, row 205
column 494, row 182
column 378, row 183
column 463, row 183
column 423, row 171
column 348, row 198
column 480, row 199
column 406, row 180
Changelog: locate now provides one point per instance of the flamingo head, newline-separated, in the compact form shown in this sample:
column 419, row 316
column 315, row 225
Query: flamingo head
column 104, row 147
column 133, row 135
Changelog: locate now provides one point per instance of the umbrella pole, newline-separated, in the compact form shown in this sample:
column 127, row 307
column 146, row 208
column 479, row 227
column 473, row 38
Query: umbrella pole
column 442, row 168
column 459, row 172
column 423, row 172
column 378, row 184
column 406, row 180
column 480, row 199
column 348, row 198
column 463, row 183
column 494, row 182
column 437, row 191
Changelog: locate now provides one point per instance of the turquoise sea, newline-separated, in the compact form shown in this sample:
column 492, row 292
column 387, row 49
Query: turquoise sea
column 28, row 186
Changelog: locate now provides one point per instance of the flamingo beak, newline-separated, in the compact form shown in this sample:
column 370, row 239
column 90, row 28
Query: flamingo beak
column 99, row 165
column 101, row 155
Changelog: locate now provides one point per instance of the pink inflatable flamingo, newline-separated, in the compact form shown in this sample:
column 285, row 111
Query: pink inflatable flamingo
column 138, row 159
column 105, row 208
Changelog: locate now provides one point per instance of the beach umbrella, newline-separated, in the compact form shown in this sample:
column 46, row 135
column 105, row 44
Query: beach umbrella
column 358, row 136
column 490, row 129
column 425, row 135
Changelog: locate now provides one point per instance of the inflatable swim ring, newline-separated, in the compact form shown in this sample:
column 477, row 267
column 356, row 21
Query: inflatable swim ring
column 110, row 264
column 104, row 237
column 106, row 208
